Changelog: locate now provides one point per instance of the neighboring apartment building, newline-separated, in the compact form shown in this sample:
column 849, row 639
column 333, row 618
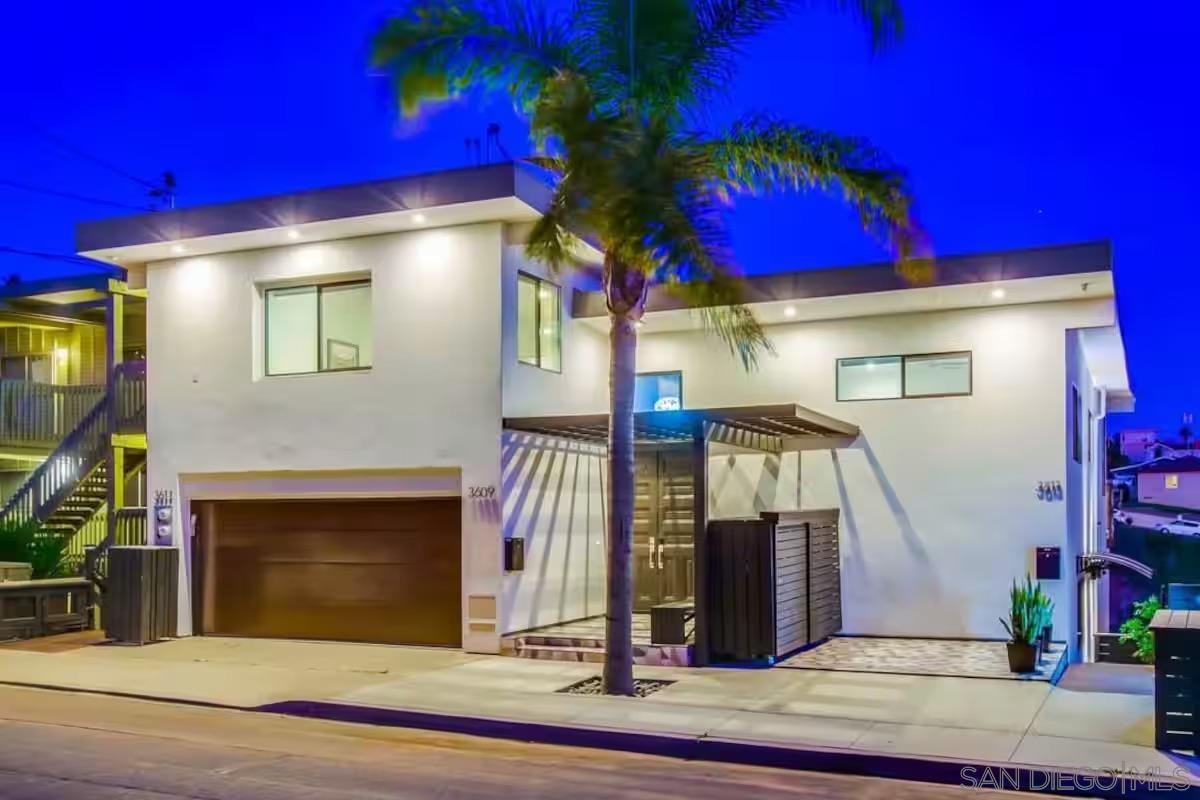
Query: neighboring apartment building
column 1144, row 444
column 54, row 376
column 1173, row 482
column 1137, row 444
column 359, row 395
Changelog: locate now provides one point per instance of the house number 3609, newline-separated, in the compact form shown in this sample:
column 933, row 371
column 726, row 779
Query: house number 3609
column 481, row 492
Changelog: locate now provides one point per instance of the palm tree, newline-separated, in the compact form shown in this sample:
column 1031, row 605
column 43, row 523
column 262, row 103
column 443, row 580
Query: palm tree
column 614, row 90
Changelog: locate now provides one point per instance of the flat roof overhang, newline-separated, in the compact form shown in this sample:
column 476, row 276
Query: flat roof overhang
column 783, row 421
column 506, row 192
column 1013, row 277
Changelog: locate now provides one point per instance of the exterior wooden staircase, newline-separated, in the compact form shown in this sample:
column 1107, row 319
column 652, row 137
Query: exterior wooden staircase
column 67, row 491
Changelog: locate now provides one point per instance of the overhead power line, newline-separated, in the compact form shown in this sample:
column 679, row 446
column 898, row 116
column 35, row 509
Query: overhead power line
column 27, row 187
column 19, row 251
column 86, row 156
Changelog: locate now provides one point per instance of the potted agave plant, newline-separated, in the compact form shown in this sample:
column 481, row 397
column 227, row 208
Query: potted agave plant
column 1024, row 626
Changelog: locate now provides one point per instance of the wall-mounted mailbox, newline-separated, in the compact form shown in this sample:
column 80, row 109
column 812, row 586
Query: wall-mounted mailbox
column 514, row 555
column 1049, row 563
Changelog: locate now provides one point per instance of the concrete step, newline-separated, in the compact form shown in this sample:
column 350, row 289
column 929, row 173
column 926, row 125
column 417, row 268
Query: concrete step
column 551, row 652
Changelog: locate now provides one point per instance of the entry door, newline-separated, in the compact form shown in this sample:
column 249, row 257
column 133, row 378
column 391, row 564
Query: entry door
column 663, row 526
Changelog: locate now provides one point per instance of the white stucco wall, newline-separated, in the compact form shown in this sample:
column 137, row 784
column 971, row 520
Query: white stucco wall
column 554, row 495
column 431, row 398
column 937, row 496
column 744, row 483
column 582, row 385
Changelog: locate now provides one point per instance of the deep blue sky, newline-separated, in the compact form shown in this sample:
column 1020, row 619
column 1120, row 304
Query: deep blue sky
column 1021, row 123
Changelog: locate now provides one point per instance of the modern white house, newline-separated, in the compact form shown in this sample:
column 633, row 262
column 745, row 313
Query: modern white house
column 373, row 418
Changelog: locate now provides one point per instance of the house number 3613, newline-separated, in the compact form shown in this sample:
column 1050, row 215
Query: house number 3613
column 481, row 492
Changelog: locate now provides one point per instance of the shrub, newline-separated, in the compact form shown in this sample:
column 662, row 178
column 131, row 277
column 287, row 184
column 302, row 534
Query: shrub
column 28, row 543
column 1136, row 629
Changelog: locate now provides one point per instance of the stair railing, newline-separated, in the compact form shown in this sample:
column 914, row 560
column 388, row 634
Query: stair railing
column 55, row 478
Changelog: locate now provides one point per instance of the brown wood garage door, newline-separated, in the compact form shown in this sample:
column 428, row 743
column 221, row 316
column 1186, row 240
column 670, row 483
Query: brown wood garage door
column 348, row 570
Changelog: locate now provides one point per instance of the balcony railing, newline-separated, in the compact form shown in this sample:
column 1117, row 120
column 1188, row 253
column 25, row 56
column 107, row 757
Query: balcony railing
column 43, row 414
column 130, row 377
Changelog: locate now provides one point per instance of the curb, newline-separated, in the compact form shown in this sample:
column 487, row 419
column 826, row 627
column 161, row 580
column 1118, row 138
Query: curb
column 981, row 775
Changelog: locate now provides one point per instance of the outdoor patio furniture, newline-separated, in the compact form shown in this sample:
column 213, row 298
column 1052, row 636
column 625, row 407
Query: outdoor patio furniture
column 668, row 622
column 1176, row 679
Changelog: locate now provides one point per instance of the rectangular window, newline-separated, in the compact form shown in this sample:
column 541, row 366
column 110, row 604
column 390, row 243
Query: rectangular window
column 870, row 378
column 937, row 375
column 319, row 328
column 539, row 323
column 658, row 391
column 1172, row 481
column 895, row 377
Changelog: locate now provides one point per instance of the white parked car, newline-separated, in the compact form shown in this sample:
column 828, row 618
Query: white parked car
column 1181, row 526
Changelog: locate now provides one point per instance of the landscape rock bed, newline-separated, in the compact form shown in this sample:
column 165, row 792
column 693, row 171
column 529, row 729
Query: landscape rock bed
column 642, row 687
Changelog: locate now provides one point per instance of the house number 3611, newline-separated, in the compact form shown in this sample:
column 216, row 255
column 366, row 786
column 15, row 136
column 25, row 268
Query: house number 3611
column 481, row 492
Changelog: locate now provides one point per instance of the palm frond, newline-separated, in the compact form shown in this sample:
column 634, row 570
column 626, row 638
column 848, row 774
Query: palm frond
column 884, row 19
column 432, row 51
column 759, row 154
column 725, row 27
column 552, row 239
column 646, row 58
column 669, row 220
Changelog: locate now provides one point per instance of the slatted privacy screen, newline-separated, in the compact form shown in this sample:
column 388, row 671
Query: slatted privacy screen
column 1176, row 679
column 774, row 584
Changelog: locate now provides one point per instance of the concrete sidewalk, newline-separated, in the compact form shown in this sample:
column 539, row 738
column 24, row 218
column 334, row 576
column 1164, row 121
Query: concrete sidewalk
column 1098, row 719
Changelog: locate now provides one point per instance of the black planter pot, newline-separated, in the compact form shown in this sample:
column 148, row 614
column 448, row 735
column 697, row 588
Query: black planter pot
column 1022, row 657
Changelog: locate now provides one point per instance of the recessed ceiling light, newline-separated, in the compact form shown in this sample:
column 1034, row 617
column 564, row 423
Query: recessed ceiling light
column 293, row 234
column 177, row 249
column 418, row 218
column 997, row 293
column 789, row 311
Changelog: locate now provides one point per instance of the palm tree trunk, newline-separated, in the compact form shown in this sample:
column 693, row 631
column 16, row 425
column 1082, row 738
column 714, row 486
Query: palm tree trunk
column 625, row 293
column 618, row 659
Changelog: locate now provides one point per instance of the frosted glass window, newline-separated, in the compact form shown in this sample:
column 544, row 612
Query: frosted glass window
column 658, row 391
column 291, row 330
column 539, row 323
column 346, row 326
column 879, row 378
column 942, row 374
column 321, row 328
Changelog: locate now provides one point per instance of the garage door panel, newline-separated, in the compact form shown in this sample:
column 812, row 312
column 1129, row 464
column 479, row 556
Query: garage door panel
column 363, row 570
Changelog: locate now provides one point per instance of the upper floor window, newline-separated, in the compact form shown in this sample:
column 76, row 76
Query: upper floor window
column 658, row 391
column 894, row 377
column 318, row 328
column 539, row 323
